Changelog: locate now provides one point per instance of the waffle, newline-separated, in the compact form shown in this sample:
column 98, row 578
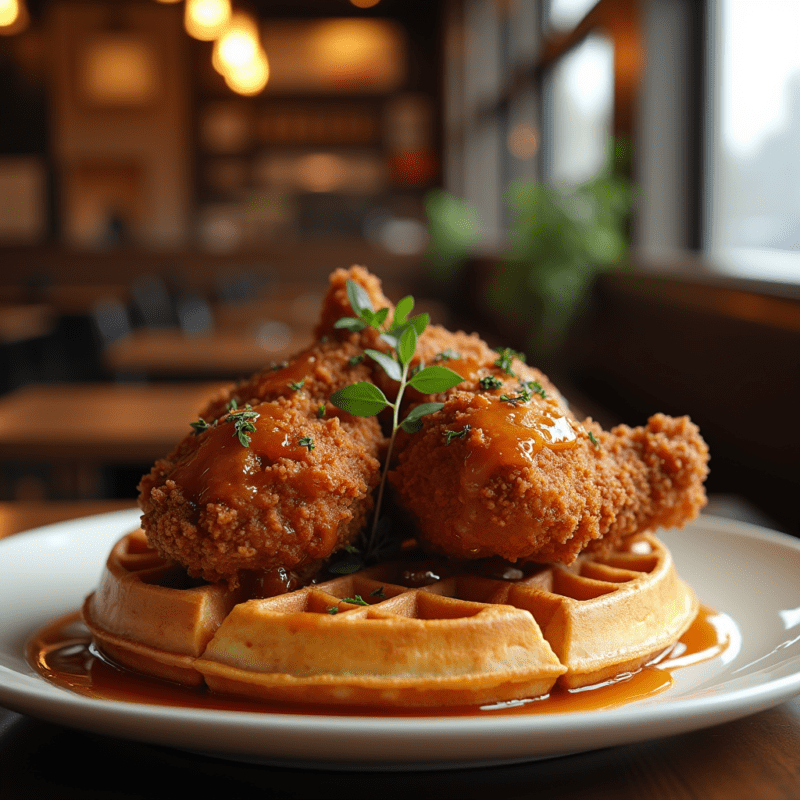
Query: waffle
column 416, row 632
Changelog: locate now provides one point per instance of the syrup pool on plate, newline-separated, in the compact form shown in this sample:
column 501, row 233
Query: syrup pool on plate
column 62, row 652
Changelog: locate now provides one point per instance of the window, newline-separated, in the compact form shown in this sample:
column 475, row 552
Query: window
column 578, row 107
column 752, row 209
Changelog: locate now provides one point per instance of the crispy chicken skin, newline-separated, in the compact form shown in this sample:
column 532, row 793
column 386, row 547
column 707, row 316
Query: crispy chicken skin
column 525, row 481
column 301, row 489
column 521, row 477
column 504, row 468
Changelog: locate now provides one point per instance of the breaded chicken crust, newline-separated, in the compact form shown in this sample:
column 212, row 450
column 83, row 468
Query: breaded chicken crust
column 479, row 481
column 298, row 492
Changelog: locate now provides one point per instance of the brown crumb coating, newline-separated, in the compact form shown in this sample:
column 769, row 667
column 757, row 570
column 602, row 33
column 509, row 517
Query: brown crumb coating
column 277, row 503
column 666, row 463
column 337, row 305
column 306, row 381
column 499, row 488
column 300, row 491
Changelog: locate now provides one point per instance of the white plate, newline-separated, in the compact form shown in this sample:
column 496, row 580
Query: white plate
column 747, row 572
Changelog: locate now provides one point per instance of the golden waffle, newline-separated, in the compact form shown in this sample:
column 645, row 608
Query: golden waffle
column 406, row 633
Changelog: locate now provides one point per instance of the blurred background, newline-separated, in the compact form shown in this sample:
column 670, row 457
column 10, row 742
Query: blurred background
column 610, row 186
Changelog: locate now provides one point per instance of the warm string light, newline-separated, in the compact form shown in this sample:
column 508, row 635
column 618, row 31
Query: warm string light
column 13, row 17
column 206, row 19
column 237, row 54
column 239, row 57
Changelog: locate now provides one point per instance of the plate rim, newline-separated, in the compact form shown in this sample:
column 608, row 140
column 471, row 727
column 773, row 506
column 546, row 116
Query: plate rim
column 33, row 695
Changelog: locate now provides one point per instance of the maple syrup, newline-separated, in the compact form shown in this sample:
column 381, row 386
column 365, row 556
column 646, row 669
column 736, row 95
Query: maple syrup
column 62, row 652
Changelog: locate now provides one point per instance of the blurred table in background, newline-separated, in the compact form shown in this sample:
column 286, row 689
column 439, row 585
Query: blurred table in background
column 24, row 516
column 227, row 355
column 79, row 428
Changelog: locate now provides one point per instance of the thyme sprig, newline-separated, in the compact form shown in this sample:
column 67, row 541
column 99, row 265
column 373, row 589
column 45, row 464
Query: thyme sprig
column 243, row 422
column 364, row 399
column 505, row 359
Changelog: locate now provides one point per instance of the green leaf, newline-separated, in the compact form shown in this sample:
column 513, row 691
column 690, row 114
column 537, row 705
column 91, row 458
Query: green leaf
column 401, row 312
column 359, row 299
column 390, row 366
column 420, row 322
column 390, row 339
column 375, row 318
column 413, row 422
column 361, row 399
column 435, row 379
column 350, row 324
column 407, row 344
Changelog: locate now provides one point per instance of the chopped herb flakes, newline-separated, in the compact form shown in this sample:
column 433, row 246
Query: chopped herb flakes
column 522, row 396
column 506, row 358
column 490, row 382
column 358, row 600
column 306, row 441
column 450, row 435
column 535, row 387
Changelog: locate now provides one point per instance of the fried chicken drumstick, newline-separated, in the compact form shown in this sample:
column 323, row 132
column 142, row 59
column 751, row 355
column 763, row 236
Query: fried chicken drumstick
column 275, row 478
column 505, row 469
column 297, row 488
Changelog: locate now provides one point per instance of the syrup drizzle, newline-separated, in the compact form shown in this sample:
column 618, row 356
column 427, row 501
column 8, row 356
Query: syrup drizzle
column 63, row 653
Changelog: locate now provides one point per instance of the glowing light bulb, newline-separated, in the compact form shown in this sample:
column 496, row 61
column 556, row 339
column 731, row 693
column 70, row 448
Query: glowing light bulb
column 237, row 46
column 249, row 78
column 9, row 11
column 206, row 19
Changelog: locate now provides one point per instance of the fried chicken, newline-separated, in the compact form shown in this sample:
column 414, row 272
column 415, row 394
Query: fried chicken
column 275, row 478
column 515, row 475
column 299, row 490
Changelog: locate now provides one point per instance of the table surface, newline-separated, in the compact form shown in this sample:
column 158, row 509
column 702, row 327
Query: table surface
column 219, row 354
column 101, row 423
column 754, row 757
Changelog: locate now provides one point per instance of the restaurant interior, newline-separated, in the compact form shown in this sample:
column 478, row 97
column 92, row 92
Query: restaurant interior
column 570, row 178
column 611, row 187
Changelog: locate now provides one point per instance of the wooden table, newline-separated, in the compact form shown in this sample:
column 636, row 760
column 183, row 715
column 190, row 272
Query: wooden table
column 224, row 354
column 123, row 423
column 18, row 517
column 748, row 759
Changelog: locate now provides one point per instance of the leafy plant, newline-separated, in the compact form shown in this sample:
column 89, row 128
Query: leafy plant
column 563, row 236
column 364, row 399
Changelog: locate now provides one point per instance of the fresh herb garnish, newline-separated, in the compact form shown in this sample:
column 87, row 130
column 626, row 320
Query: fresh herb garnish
column 297, row 386
column 447, row 355
column 490, row 382
column 364, row 399
column 593, row 439
column 243, row 423
column 306, row 441
column 201, row 425
column 535, row 387
column 522, row 396
column 357, row 600
column 378, row 593
column 450, row 435
column 353, row 360
column 506, row 358
column 321, row 411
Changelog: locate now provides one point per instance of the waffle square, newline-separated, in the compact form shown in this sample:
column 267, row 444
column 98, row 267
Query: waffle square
column 416, row 632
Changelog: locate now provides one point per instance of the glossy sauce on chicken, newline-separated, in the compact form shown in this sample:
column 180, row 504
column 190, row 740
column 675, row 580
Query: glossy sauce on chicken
column 222, row 470
column 513, row 434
